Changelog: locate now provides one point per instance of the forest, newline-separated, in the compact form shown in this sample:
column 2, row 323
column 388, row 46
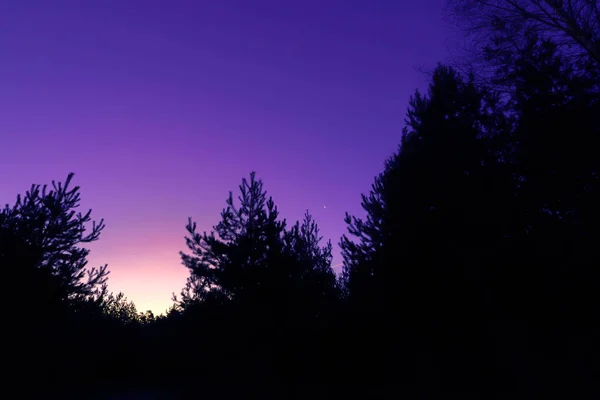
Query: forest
column 475, row 272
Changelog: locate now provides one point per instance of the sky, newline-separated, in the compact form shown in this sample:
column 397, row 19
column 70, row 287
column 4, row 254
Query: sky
column 160, row 108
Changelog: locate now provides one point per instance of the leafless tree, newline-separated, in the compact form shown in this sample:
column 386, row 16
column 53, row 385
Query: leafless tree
column 490, row 27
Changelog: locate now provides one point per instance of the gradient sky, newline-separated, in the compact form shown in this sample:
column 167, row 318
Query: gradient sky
column 161, row 107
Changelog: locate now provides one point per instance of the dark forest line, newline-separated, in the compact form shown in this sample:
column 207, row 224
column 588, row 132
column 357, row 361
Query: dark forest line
column 475, row 272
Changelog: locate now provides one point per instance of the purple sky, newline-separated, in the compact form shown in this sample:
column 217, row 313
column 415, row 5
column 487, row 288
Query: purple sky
column 161, row 107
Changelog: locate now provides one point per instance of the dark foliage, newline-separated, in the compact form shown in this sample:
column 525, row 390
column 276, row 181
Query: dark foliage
column 43, row 224
column 241, row 260
column 253, row 275
column 474, row 273
column 59, row 320
column 479, row 236
column 418, row 255
column 495, row 29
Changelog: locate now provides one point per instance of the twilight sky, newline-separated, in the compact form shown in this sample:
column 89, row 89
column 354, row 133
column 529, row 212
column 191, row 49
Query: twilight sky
column 161, row 107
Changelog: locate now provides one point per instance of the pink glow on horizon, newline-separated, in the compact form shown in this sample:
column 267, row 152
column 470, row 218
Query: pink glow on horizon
column 161, row 108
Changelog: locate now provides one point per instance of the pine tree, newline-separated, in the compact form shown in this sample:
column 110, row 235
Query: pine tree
column 415, row 259
column 252, row 275
column 311, row 277
column 549, row 282
column 250, row 256
column 240, row 259
column 429, row 190
column 41, row 238
column 51, row 294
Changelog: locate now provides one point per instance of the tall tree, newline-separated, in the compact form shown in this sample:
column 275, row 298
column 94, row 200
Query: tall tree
column 52, row 295
column 431, row 215
column 556, row 174
column 41, row 238
column 251, row 275
column 250, row 254
column 433, row 181
column 240, row 258
column 550, row 262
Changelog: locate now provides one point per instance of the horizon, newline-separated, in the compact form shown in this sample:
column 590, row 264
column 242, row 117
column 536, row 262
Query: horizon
column 160, row 110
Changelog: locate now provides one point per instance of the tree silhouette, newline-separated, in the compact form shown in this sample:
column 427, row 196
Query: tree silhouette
column 42, row 236
column 55, row 298
column 118, row 308
column 473, row 273
column 310, row 265
column 415, row 259
column 479, row 233
column 250, row 256
column 554, row 224
column 251, row 274
column 494, row 29
column 237, row 283
column 239, row 258
column 427, row 184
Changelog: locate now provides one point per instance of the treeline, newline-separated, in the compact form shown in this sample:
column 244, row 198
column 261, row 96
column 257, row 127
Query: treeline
column 474, row 273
